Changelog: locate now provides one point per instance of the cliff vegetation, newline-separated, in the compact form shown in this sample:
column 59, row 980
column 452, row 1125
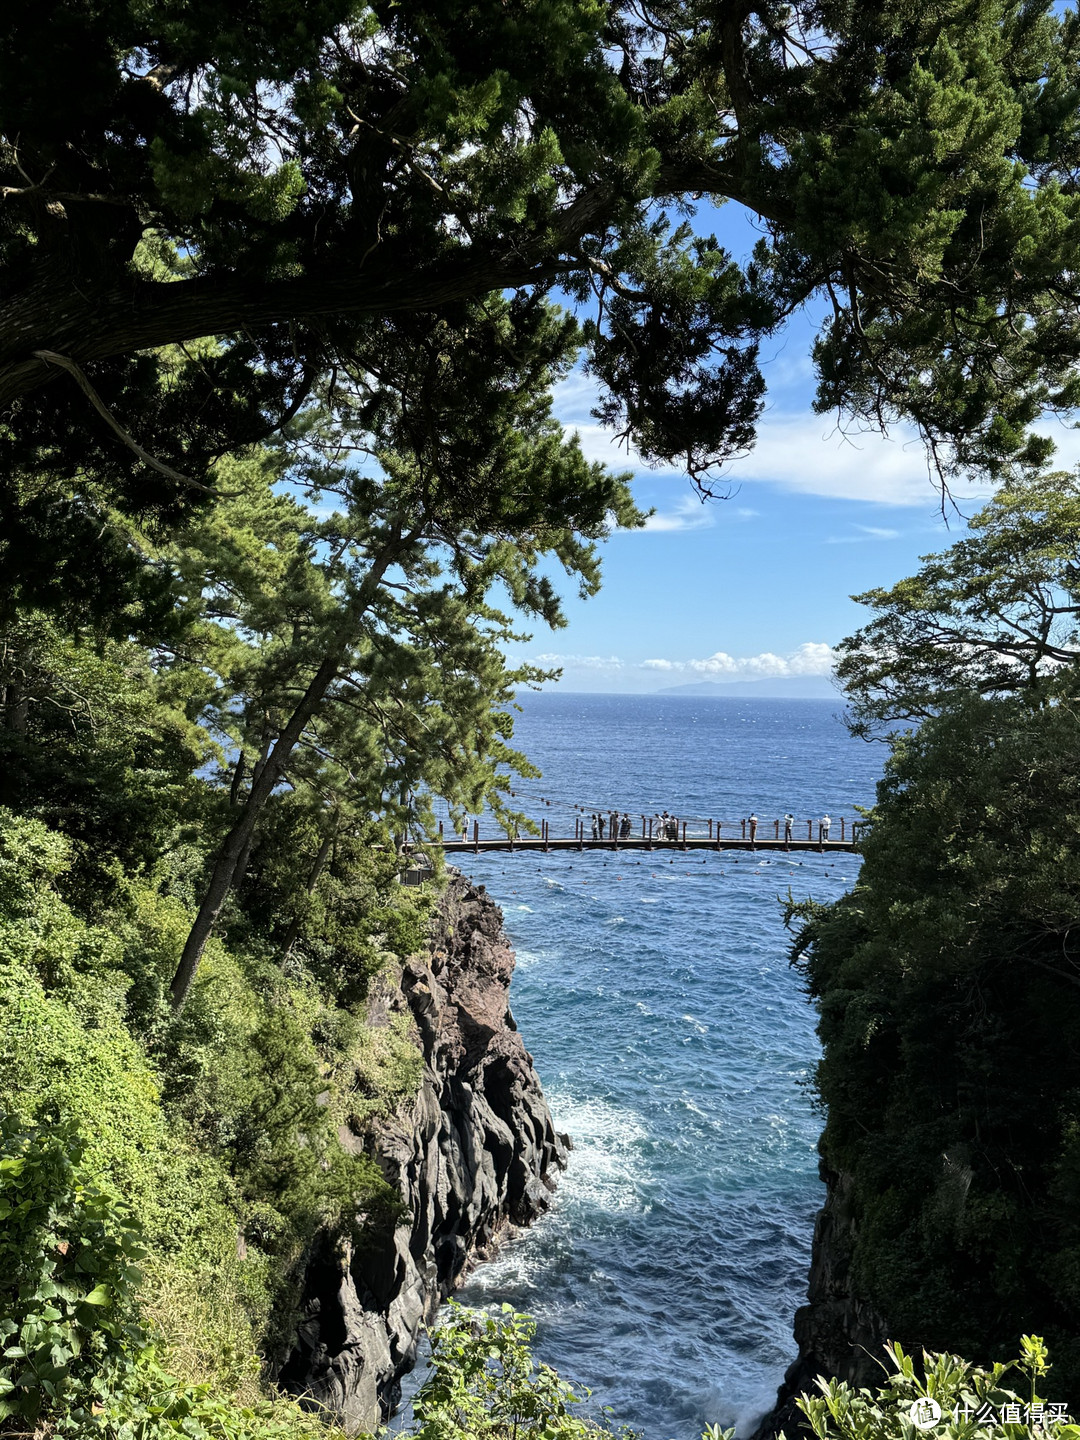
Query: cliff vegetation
column 948, row 979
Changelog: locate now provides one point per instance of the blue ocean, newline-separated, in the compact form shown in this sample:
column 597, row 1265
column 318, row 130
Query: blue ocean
column 675, row 1046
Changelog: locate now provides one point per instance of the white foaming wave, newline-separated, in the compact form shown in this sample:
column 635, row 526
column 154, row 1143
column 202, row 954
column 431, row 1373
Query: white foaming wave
column 616, row 920
column 751, row 1412
column 607, row 1164
column 527, row 908
column 521, row 1266
column 525, row 958
column 645, row 901
column 696, row 1023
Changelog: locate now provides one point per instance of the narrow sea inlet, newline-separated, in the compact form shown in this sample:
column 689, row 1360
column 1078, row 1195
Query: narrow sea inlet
column 675, row 1046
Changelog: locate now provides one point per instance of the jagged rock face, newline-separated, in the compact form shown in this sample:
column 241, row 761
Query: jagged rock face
column 839, row 1335
column 474, row 1155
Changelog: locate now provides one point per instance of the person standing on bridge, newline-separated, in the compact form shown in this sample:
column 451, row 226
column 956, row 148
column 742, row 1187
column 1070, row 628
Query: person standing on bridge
column 592, row 819
column 624, row 827
column 826, row 822
column 753, row 828
column 789, row 821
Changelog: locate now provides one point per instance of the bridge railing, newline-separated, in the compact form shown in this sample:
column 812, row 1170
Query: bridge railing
column 674, row 831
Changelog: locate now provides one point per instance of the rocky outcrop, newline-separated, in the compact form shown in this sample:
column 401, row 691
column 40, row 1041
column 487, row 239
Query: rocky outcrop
column 474, row 1155
column 838, row 1334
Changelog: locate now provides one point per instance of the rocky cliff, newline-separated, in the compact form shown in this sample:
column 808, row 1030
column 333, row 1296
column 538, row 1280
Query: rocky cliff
column 475, row 1154
column 838, row 1334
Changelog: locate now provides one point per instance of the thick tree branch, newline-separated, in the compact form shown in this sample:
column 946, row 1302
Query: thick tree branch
column 64, row 363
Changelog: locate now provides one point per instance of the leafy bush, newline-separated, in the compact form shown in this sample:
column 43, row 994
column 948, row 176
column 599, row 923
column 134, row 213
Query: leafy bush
column 72, row 1353
column 950, row 1398
column 219, row 1128
column 948, row 988
column 485, row 1385
column 67, row 1275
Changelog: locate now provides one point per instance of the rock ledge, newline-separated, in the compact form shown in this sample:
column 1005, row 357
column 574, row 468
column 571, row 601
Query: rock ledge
column 474, row 1155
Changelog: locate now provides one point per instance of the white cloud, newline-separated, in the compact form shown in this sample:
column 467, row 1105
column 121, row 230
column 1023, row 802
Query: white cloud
column 811, row 658
column 583, row 662
column 868, row 532
column 796, row 450
column 689, row 514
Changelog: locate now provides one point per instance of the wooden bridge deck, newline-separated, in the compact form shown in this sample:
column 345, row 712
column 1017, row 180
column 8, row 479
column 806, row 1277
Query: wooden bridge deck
column 692, row 842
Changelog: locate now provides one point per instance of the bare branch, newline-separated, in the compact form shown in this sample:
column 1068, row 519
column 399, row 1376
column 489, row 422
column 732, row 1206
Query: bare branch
column 62, row 362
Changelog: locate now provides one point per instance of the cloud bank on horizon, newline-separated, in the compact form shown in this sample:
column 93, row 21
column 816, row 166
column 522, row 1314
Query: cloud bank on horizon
column 813, row 657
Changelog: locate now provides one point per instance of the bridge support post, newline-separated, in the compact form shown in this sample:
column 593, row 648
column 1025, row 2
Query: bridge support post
column 440, row 832
column 841, row 827
column 809, row 829
column 776, row 829
column 684, row 834
column 710, row 829
column 744, row 829
column 650, row 835
column 718, row 834
column 476, row 837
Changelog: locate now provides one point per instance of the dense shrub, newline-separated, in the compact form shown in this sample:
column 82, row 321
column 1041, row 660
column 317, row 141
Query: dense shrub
column 944, row 1396
column 219, row 1127
column 71, row 1346
column 67, row 1276
column 948, row 983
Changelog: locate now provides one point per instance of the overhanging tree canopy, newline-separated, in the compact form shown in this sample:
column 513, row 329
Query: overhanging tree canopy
column 995, row 614
column 295, row 176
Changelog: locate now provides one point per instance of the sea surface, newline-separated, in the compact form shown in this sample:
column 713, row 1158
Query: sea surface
column 675, row 1046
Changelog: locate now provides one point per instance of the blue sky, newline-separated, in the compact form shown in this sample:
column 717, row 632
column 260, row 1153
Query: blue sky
column 758, row 584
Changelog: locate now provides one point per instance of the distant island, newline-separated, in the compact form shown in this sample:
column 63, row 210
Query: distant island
column 785, row 687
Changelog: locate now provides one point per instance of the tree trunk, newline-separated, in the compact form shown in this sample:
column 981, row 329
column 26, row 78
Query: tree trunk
column 237, row 779
column 147, row 314
column 16, row 708
column 237, row 843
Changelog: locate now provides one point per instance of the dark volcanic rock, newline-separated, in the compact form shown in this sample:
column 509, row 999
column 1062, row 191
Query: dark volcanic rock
column 839, row 1335
column 475, row 1154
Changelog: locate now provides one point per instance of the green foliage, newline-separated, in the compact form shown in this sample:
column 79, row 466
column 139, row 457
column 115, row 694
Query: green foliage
column 948, row 983
column 72, row 1353
column 91, row 742
column 994, row 614
column 335, row 175
column 485, row 1385
column 972, row 1402
column 387, row 1068
column 326, row 892
column 948, row 980
column 219, row 1129
column 67, row 1256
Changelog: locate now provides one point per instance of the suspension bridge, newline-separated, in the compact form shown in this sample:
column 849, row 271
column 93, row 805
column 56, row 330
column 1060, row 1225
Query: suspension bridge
column 613, row 830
